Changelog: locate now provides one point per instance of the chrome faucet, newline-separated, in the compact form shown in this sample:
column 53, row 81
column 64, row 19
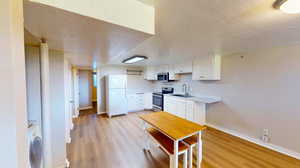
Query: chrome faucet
column 185, row 89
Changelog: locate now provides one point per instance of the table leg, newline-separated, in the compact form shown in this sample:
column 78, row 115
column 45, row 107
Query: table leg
column 185, row 160
column 199, row 152
column 175, row 160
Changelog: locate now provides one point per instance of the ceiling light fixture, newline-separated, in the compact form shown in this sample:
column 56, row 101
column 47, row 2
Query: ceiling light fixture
column 134, row 59
column 288, row 6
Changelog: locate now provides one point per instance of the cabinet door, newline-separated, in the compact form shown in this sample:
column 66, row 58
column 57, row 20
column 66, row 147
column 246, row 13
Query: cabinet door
column 199, row 113
column 140, row 102
column 148, row 101
column 180, row 108
column 170, row 105
column 131, row 102
column 187, row 67
column 190, row 110
column 172, row 73
column 167, row 105
column 151, row 73
column 207, row 68
column 179, row 68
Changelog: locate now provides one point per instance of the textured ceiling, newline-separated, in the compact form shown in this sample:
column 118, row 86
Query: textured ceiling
column 189, row 29
column 184, row 30
column 86, row 40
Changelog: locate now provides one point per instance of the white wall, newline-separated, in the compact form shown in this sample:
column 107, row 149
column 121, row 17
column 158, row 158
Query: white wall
column 136, row 83
column 13, row 116
column 33, row 84
column 128, row 13
column 57, row 103
column 258, row 91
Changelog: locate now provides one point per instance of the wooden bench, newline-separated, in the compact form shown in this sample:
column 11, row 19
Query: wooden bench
column 192, row 142
column 167, row 144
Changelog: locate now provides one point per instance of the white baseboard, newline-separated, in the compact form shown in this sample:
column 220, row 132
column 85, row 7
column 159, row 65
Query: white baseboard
column 67, row 163
column 86, row 108
column 72, row 126
column 101, row 113
column 258, row 142
column 76, row 114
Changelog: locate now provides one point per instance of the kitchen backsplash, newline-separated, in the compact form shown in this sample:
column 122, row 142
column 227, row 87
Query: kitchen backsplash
column 177, row 85
column 197, row 88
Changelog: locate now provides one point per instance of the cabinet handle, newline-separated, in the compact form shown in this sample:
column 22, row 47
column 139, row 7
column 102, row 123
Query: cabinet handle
column 202, row 76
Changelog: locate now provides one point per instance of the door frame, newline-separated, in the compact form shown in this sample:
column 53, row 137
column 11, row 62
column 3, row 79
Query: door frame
column 75, row 72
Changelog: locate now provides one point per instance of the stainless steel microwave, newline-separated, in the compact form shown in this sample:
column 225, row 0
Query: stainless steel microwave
column 163, row 77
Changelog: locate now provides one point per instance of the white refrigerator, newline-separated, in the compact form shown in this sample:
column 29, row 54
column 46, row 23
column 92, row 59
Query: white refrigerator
column 116, row 98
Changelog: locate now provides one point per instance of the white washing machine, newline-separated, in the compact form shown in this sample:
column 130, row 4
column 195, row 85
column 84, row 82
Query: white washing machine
column 35, row 146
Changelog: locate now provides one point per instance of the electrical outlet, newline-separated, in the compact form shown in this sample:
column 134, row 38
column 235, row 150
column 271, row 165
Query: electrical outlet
column 266, row 135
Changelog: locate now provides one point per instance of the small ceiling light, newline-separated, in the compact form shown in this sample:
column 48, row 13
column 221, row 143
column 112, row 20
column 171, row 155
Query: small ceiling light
column 134, row 59
column 288, row 6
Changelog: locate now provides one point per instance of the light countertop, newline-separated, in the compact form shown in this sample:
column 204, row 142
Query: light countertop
column 201, row 99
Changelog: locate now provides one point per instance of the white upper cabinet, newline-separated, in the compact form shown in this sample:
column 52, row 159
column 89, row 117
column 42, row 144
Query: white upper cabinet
column 172, row 74
column 207, row 68
column 185, row 67
column 150, row 73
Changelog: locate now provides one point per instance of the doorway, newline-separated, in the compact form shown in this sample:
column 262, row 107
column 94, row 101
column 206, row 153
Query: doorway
column 87, row 86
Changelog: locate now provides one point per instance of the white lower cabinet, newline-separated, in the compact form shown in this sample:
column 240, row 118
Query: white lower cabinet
column 190, row 110
column 135, row 102
column 180, row 109
column 187, row 109
column 148, row 101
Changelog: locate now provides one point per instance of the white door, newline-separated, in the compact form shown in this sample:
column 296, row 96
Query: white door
column 85, row 89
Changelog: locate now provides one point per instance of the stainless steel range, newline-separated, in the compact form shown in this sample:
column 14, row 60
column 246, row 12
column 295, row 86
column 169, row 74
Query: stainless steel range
column 158, row 98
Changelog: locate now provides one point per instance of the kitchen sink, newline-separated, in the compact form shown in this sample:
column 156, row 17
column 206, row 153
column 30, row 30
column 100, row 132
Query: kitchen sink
column 181, row 95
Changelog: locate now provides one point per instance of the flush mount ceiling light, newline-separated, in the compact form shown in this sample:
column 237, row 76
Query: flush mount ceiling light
column 134, row 59
column 288, row 6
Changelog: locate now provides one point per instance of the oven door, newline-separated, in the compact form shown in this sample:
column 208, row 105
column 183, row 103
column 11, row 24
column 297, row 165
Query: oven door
column 157, row 101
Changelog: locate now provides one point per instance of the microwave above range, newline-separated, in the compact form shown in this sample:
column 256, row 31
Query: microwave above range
column 164, row 77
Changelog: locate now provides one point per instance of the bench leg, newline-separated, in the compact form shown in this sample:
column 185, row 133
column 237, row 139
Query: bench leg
column 147, row 140
column 191, row 156
column 199, row 152
column 185, row 160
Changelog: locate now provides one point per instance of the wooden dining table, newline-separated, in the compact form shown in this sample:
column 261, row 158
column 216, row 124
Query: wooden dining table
column 175, row 128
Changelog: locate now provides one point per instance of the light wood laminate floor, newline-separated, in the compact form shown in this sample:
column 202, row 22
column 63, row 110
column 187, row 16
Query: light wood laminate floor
column 100, row 142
